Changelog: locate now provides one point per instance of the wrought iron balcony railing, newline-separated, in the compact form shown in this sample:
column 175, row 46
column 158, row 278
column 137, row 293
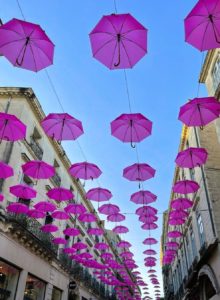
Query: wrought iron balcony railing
column 56, row 180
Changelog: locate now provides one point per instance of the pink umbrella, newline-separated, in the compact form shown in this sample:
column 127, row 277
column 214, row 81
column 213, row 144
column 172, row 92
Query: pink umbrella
column 143, row 197
column 75, row 209
column 71, row 231
column 146, row 210
column 178, row 214
column 138, row 172
column 79, row 246
column 87, row 218
column 60, row 194
column 149, row 226
column 101, row 246
column 116, row 217
column 38, row 169
column 11, row 128
column 45, row 206
column 172, row 244
column 69, row 250
column 17, row 208
column 99, row 194
column 85, row 255
column 186, row 187
column 150, row 241
column 191, row 157
column 49, row 228
column 108, row 209
column 26, row 45
column 106, row 255
column 126, row 254
column 1, row 197
column 62, row 127
column 176, row 221
column 150, row 263
column 199, row 111
column 174, row 234
column 85, row 170
column 202, row 25
column 131, row 128
column 59, row 241
column 23, row 191
column 148, row 218
column 150, row 252
column 36, row 214
column 123, row 244
column 181, row 203
column 60, row 215
column 95, row 231
column 120, row 229
column 119, row 41
column 5, row 170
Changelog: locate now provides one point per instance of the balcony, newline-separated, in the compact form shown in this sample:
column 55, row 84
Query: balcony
column 29, row 229
column 56, row 180
column 35, row 147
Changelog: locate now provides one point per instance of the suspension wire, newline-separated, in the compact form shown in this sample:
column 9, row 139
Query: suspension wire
column 21, row 11
column 127, row 90
column 199, row 83
column 115, row 7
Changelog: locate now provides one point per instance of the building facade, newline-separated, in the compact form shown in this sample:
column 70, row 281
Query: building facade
column 31, row 266
column 195, row 271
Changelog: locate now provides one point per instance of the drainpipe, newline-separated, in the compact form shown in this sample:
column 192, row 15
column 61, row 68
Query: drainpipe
column 208, row 200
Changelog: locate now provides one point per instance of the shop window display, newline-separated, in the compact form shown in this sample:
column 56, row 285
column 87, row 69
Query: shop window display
column 9, row 276
column 35, row 288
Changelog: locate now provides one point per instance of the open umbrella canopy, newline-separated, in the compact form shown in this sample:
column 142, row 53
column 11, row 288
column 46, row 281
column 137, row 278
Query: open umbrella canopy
column 150, row 252
column 139, row 172
column 101, row 246
column 79, row 246
column 62, row 126
column 75, row 209
column 26, row 45
column 131, row 128
column 60, row 215
column 17, row 208
column 123, row 244
column 191, row 157
column 49, row 228
column 178, row 214
column 38, row 169
column 45, row 206
column 176, row 221
column 59, row 241
column 120, row 229
column 174, row 234
column 143, row 197
column 146, row 211
column 60, row 194
column 36, row 214
column 202, row 25
column 1, row 197
column 23, row 191
column 107, row 255
column 148, row 218
column 85, row 170
column 11, row 128
column 181, row 203
column 149, row 226
column 87, row 218
column 185, row 187
column 108, row 209
column 117, row 217
column 199, row 111
column 172, row 244
column 99, row 194
column 118, row 41
column 95, row 231
column 69, row 250
column 71, row 231
column 5, row 170
column 150, row 241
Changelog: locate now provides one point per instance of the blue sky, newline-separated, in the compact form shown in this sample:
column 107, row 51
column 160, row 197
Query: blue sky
column 162, row 81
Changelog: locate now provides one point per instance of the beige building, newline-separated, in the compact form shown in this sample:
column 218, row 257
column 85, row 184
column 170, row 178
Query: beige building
column 195, row 272
column 31, row 266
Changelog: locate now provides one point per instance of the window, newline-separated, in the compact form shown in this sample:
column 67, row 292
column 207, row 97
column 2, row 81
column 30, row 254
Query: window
column 184, row 267
column 193, row 242
column 34, row 144
column 34, row 289
column 189, row 252
column 8, row 280
column 201, row 230
column 216, row 75
column 26, row 180
column 56, row 294
column 48, row 219
column 192, row 174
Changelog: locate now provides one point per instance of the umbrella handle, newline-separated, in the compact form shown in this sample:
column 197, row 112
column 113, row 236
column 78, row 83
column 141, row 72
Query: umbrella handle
column 133, row 145
column 119, row 51
column 24, row 48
